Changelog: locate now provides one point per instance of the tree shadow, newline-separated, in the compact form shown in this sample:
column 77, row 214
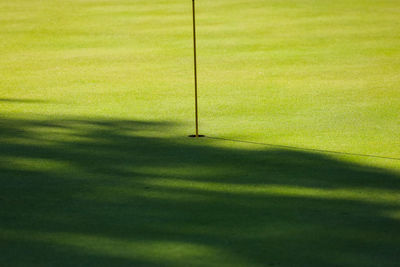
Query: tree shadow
column 103, row 193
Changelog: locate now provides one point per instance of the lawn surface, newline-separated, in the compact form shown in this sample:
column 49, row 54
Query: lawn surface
column 96, row 101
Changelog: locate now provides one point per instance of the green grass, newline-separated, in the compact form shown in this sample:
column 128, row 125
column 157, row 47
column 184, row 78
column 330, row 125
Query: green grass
column 96, row 101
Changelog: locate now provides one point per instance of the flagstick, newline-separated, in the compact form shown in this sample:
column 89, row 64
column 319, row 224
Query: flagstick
column 195, row 69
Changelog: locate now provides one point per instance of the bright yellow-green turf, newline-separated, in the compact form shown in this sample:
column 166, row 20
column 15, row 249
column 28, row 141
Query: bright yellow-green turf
column 96, row 101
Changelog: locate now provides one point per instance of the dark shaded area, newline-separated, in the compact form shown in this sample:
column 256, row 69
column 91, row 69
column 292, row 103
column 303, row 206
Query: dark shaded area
column 115, row 186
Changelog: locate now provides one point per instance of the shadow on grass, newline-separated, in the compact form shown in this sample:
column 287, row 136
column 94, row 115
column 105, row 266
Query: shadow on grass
column 106, row 193
column 22, row 101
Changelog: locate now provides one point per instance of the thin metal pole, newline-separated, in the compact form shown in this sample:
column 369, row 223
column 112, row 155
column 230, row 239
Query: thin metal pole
column 195, row 69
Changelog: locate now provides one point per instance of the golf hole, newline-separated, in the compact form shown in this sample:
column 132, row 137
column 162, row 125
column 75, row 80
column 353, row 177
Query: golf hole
column 194, row 136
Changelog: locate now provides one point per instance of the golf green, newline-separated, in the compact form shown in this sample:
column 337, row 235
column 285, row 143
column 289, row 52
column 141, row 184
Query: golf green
column 97, row 101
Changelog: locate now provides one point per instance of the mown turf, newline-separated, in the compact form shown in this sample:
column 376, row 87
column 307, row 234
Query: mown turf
column 96, row 102
column 99, row 193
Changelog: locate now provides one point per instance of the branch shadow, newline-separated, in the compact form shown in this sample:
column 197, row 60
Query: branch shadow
column 83, row 192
